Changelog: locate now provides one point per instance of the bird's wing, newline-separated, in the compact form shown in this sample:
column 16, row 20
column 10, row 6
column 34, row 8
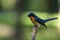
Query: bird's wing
column 39, row 20
column 49, row 19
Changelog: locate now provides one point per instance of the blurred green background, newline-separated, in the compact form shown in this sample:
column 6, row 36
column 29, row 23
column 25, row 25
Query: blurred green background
column 15, row 25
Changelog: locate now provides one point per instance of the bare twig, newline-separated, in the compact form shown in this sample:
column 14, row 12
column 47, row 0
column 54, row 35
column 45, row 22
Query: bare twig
column 34, row 31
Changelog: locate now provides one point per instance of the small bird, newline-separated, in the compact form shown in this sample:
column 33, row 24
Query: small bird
column 36, row 20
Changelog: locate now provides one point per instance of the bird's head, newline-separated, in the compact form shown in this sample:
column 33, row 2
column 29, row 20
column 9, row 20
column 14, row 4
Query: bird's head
column 31, row 14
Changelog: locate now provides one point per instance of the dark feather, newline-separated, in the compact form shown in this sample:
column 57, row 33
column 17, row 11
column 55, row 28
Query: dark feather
column 50, row 19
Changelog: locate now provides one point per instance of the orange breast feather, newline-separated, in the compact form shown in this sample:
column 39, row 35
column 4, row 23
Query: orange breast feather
column 33, row 20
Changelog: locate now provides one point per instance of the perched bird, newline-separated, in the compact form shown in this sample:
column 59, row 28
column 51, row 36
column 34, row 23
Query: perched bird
column 36, row 20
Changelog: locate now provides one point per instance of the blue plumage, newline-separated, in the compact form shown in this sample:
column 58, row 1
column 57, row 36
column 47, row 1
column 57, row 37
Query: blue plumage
column 39, row 20
column 49, row 19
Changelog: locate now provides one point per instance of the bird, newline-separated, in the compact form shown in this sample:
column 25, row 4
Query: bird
column 37, row 20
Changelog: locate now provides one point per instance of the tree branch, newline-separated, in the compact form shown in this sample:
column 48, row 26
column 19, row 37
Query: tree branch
column 34, row 31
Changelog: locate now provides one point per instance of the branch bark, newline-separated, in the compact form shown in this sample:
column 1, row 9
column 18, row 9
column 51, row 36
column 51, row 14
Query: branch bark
column 34, row 31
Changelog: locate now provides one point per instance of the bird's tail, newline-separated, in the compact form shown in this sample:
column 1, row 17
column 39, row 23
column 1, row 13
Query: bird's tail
column 49, row 19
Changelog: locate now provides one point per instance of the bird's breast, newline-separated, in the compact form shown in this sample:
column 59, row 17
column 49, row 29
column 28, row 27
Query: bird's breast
column 34, row 21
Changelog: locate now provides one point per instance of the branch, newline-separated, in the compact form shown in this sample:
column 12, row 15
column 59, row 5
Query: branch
column 34, row 31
